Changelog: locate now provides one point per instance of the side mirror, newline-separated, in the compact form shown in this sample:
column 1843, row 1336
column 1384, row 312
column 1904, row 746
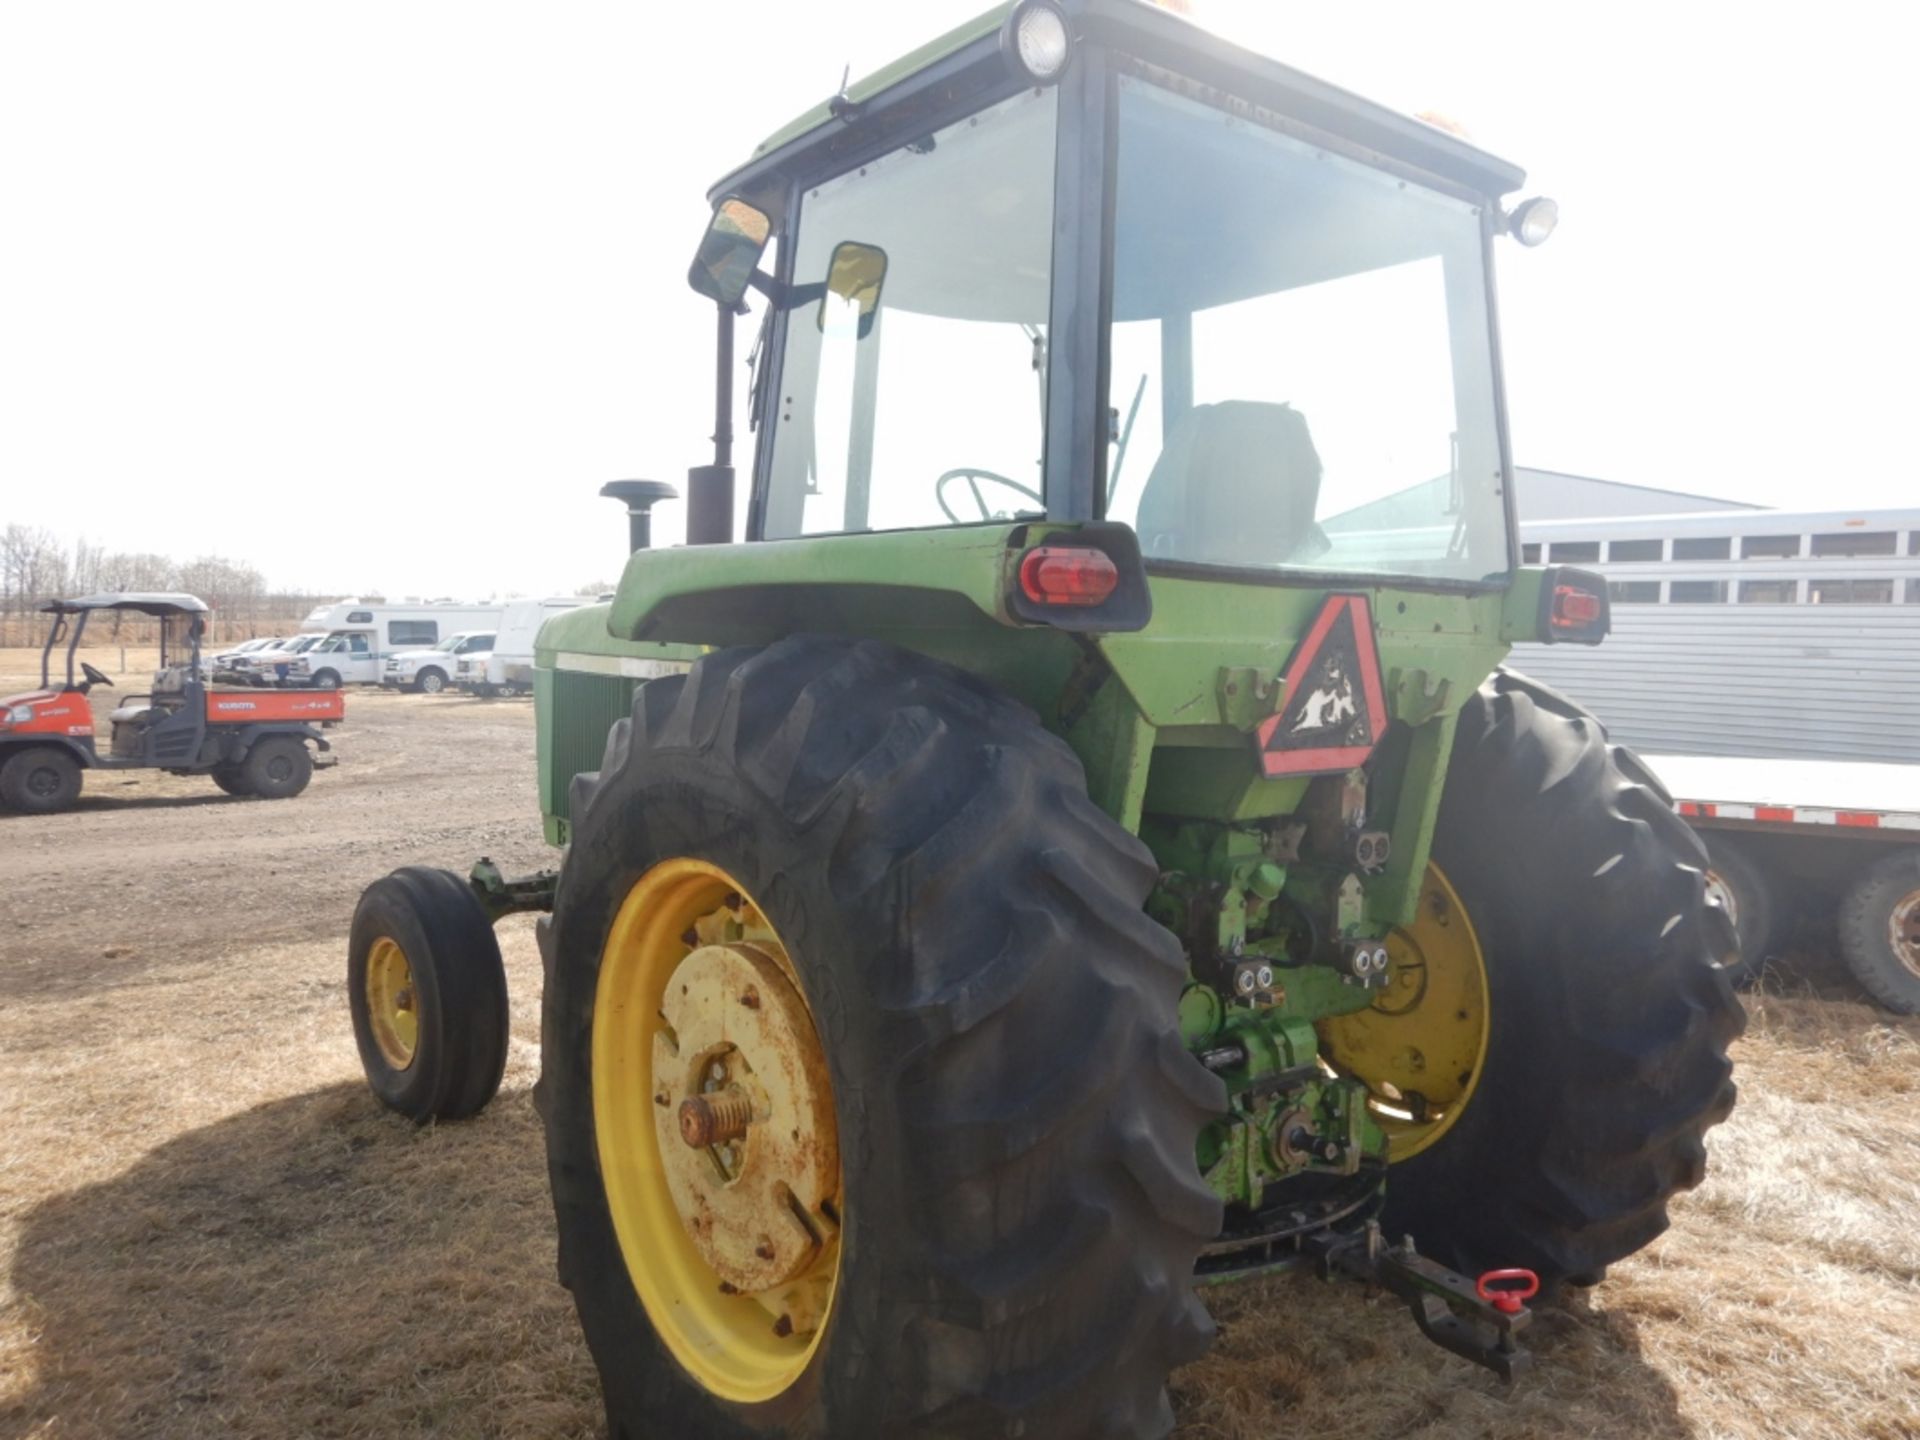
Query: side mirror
column 854, row 277
column 730, row 252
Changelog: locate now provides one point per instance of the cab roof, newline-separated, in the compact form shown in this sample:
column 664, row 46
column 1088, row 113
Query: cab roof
column 1158, row 35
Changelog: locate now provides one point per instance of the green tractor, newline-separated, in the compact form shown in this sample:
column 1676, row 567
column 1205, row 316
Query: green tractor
column 1083, row 847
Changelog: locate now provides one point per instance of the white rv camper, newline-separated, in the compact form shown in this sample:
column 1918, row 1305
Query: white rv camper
column 361, row 634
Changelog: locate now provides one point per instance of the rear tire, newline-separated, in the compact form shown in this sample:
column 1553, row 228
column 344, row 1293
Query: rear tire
column 1610, row 1015
column 40, row 780
column 232, row 779
column 277, row 767
column 1749, row 901
column 1880, row 930
column 998, row 1014
column 432, row 1026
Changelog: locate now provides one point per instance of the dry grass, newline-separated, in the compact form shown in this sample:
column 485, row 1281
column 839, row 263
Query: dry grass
column 207, row 1228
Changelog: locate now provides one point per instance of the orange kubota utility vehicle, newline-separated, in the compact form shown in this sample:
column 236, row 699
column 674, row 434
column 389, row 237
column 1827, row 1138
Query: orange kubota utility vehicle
column 251, row 742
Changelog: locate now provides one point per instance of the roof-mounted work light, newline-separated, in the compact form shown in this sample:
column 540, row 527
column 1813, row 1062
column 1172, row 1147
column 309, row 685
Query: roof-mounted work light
column 1036, row 41
column 1532, row 221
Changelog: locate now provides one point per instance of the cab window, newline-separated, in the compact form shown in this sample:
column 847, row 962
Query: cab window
column 925, row 409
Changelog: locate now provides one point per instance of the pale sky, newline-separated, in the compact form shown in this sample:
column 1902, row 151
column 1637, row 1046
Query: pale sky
column 374, row 295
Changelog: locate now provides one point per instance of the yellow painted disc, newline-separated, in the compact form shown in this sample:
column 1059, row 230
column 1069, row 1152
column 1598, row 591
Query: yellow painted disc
column 1421, row 1046
column 718, row 1145
column 393, row 1012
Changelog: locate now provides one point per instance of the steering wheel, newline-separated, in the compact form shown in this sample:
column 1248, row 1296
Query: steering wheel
column 973, row 478
column 94, row 677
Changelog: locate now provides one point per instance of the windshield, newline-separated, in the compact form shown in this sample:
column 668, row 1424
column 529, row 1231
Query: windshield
column 928, row 411
column 1301, row 367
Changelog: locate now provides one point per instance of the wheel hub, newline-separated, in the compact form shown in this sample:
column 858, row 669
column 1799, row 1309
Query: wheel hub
column 1420, row 1047
column 1904, row 931
column 744, row 1115
column 392, row 1012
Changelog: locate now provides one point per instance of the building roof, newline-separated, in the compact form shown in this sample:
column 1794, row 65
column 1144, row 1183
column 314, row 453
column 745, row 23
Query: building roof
column 1556, row 495
column 1539, row 495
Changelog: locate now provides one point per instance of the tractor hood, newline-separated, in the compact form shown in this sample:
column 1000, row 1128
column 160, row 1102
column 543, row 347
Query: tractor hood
column 28, row 697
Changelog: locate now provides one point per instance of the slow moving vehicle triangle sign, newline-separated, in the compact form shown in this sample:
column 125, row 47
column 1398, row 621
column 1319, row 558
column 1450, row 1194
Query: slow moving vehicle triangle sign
column 1335, row 706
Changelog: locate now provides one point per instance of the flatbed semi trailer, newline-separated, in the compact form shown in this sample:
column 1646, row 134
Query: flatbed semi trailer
column 1786, row 833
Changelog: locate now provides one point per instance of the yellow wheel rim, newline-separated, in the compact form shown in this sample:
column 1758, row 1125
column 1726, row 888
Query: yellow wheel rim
column 1421, row 1047
column 713, row 1114
column 393, row 1011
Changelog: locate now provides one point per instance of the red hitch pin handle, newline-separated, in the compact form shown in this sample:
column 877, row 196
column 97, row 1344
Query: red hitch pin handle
column 1507, row 1290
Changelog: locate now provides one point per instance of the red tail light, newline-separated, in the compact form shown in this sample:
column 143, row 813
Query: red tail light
column 1573, row 608
column 1060, row 575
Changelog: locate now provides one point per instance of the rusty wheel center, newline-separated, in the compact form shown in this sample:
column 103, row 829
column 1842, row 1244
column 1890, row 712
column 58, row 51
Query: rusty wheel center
column 744, row 1116
column 1904, row 928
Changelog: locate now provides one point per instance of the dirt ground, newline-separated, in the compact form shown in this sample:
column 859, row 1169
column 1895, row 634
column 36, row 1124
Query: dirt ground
column 209, row 1229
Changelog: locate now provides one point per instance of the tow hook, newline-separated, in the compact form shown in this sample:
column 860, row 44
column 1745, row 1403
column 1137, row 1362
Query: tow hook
column 1477, row 1319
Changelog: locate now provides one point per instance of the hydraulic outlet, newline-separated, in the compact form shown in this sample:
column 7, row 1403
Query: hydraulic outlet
column 1371, row 849
column 1367, row 961
column 1253, row 982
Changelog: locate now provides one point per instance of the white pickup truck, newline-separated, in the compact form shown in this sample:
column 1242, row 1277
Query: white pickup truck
column 431, row 671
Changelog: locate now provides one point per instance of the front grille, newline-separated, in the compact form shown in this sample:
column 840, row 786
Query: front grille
column 575, row 711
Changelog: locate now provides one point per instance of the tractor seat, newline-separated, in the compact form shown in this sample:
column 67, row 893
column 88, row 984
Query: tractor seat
column 1236, row 484
column 133, row 711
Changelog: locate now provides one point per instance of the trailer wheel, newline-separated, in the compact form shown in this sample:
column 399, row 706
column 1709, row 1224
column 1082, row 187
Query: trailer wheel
column 1738, row 885
column 430, row 681
column 277, row 767
column 232, row 779
column 865, row 1103
column 1880, row 930
column 1607, row 1013
column 40, row 780
column 428, row 995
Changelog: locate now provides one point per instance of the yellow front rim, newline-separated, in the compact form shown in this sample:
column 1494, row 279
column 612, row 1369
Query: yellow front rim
column 393, row 1011
column 714, row 1120
column 1421, row 1046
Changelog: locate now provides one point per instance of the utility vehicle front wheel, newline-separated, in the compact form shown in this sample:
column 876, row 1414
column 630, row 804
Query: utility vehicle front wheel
column 865, row 1103
column 1571, row 1018
column 428, row 995
column 40, row 780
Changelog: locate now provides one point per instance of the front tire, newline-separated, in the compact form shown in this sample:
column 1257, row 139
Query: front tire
column 326, row 680
column 40, row 780
column 428, row 995
column 1019, row 1211
column 1609, row 1014
column 430, row 681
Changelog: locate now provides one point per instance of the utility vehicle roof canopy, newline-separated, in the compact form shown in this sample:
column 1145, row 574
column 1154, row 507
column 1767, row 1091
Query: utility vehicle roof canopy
column 147, row 602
